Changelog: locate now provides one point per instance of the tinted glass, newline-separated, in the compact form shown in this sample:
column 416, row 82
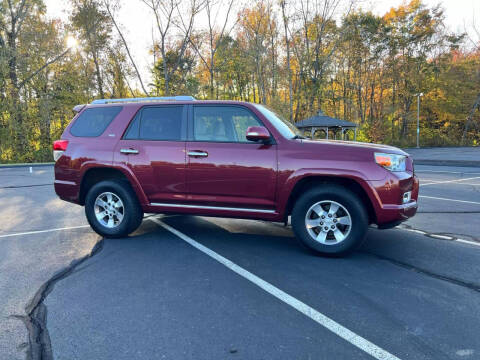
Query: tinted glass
column 133, row 131
column 222, row 123
column 161, row 123
column 93, row 122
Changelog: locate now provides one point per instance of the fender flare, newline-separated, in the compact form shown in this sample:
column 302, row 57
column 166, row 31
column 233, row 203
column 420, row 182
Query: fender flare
column 293, row 179
column 129, row 175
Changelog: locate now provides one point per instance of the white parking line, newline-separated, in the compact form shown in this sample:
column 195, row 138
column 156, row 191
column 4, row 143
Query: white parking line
column 449, row 181
column 43, row 231
column 445, row 199
column 346, row 334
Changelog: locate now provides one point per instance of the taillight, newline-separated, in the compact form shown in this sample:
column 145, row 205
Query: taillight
column 59, row 147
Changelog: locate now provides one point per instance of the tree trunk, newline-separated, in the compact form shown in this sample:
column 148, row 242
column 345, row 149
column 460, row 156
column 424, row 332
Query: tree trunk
column 99, row 76
column 289, row 69
column 14, row 93
column 360, row 104
column 210, row 69
column 165, row 68
column 475, row 106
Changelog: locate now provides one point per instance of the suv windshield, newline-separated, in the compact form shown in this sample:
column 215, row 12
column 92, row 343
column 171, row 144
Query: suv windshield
column 285, row 127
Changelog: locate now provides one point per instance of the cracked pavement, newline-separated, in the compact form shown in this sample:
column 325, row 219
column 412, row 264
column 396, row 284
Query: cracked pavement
column 154, row 296
column 27, row 262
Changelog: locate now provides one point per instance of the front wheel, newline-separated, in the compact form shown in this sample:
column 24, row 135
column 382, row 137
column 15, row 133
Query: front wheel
column 330, row 219
column 112, row 209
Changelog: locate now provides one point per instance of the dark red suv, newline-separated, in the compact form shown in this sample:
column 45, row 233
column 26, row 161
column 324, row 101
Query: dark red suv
column 122, row 158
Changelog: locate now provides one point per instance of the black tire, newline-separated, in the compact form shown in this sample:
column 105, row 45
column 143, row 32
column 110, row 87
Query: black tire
column 346, row 198
column 133, row 214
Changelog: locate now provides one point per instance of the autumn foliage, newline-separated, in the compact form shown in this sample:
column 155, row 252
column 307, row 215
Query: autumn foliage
column 297, row 57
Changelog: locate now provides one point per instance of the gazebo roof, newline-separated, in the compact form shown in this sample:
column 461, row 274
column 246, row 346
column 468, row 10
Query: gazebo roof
column 321, row 120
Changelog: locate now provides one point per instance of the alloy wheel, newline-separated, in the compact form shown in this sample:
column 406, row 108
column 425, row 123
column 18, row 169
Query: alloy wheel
column 328, row 222
column 109, row 210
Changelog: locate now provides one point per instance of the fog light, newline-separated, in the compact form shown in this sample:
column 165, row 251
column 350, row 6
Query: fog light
column 407, row 197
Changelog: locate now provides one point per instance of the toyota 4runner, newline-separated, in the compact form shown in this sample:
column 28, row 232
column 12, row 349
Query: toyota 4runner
column 121, row 158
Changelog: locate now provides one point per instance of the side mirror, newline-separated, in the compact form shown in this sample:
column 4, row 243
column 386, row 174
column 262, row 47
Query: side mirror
column 257, row 133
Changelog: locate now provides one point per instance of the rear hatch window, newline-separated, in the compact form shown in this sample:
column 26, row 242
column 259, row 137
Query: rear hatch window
column 93, row 122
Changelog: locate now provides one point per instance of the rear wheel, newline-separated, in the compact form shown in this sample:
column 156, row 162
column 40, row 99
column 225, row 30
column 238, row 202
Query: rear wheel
column 112, row 209
column 330, row 219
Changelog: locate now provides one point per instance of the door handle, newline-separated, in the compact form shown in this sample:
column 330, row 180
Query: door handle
column 129, row 151
column 197, row 153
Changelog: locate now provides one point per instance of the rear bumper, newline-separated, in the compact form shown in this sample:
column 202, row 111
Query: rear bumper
column 67, row 190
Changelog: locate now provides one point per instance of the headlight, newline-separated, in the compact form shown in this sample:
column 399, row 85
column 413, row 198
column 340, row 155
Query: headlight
column 391, row 162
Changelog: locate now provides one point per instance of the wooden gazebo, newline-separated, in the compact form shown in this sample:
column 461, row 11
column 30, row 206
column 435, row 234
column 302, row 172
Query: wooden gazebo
column 327, row 124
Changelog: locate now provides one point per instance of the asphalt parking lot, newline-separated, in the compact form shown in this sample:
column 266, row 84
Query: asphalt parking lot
column 186, row 287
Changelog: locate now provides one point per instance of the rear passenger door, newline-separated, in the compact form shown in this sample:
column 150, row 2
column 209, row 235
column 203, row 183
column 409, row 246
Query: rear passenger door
column 153, row 147
column 224, row 169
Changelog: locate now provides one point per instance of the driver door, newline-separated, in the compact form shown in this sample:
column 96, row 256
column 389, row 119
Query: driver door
column 223, row 168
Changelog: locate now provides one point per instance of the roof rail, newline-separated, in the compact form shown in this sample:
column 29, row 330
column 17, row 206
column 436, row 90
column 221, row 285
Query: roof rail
column 126, row 100
column 78, row 108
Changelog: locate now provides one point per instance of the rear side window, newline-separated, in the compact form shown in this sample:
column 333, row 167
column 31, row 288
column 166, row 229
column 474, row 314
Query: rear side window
column 156, row 123
column 133, row 130
column 161, row 123
column 93, row 122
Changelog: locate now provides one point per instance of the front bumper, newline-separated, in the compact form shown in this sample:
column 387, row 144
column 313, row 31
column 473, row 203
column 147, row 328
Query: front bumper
column 397, row 213
column 389, row 209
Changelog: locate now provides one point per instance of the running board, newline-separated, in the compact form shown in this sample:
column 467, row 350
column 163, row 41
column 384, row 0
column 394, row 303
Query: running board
column 202, row 207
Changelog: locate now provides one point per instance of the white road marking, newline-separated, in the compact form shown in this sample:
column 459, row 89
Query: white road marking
column 445, row 199
column 468, row 184
column 450, row 181
column 339, row 330
column 468, row 242
column 442, row 237
column 44, row 231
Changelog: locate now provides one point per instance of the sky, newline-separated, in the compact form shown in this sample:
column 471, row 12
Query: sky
column 137, row 21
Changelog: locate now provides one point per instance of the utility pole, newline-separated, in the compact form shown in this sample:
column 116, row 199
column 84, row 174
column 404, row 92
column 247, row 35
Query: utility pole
column 418, row 118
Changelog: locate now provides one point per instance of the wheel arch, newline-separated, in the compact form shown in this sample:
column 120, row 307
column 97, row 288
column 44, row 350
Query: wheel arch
column 93, row 175
column 309, row 182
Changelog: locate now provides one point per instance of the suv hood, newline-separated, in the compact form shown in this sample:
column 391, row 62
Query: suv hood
column 355, row 145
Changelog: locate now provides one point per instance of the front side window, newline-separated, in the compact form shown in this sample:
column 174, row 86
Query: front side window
column 222, row 123
column 93, row 122
column 284, row 127
column 157, row 123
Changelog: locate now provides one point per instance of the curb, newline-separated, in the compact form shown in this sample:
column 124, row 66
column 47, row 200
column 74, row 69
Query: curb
column 6, row 166
column 459, row 163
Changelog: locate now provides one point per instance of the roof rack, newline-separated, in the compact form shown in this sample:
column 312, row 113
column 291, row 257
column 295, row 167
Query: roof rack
column 78, row 108
column 142, row 99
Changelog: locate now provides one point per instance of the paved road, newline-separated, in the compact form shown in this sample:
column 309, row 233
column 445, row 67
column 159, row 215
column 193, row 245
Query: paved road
column 28, row 203
column 449, row 201
column 165, row 295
